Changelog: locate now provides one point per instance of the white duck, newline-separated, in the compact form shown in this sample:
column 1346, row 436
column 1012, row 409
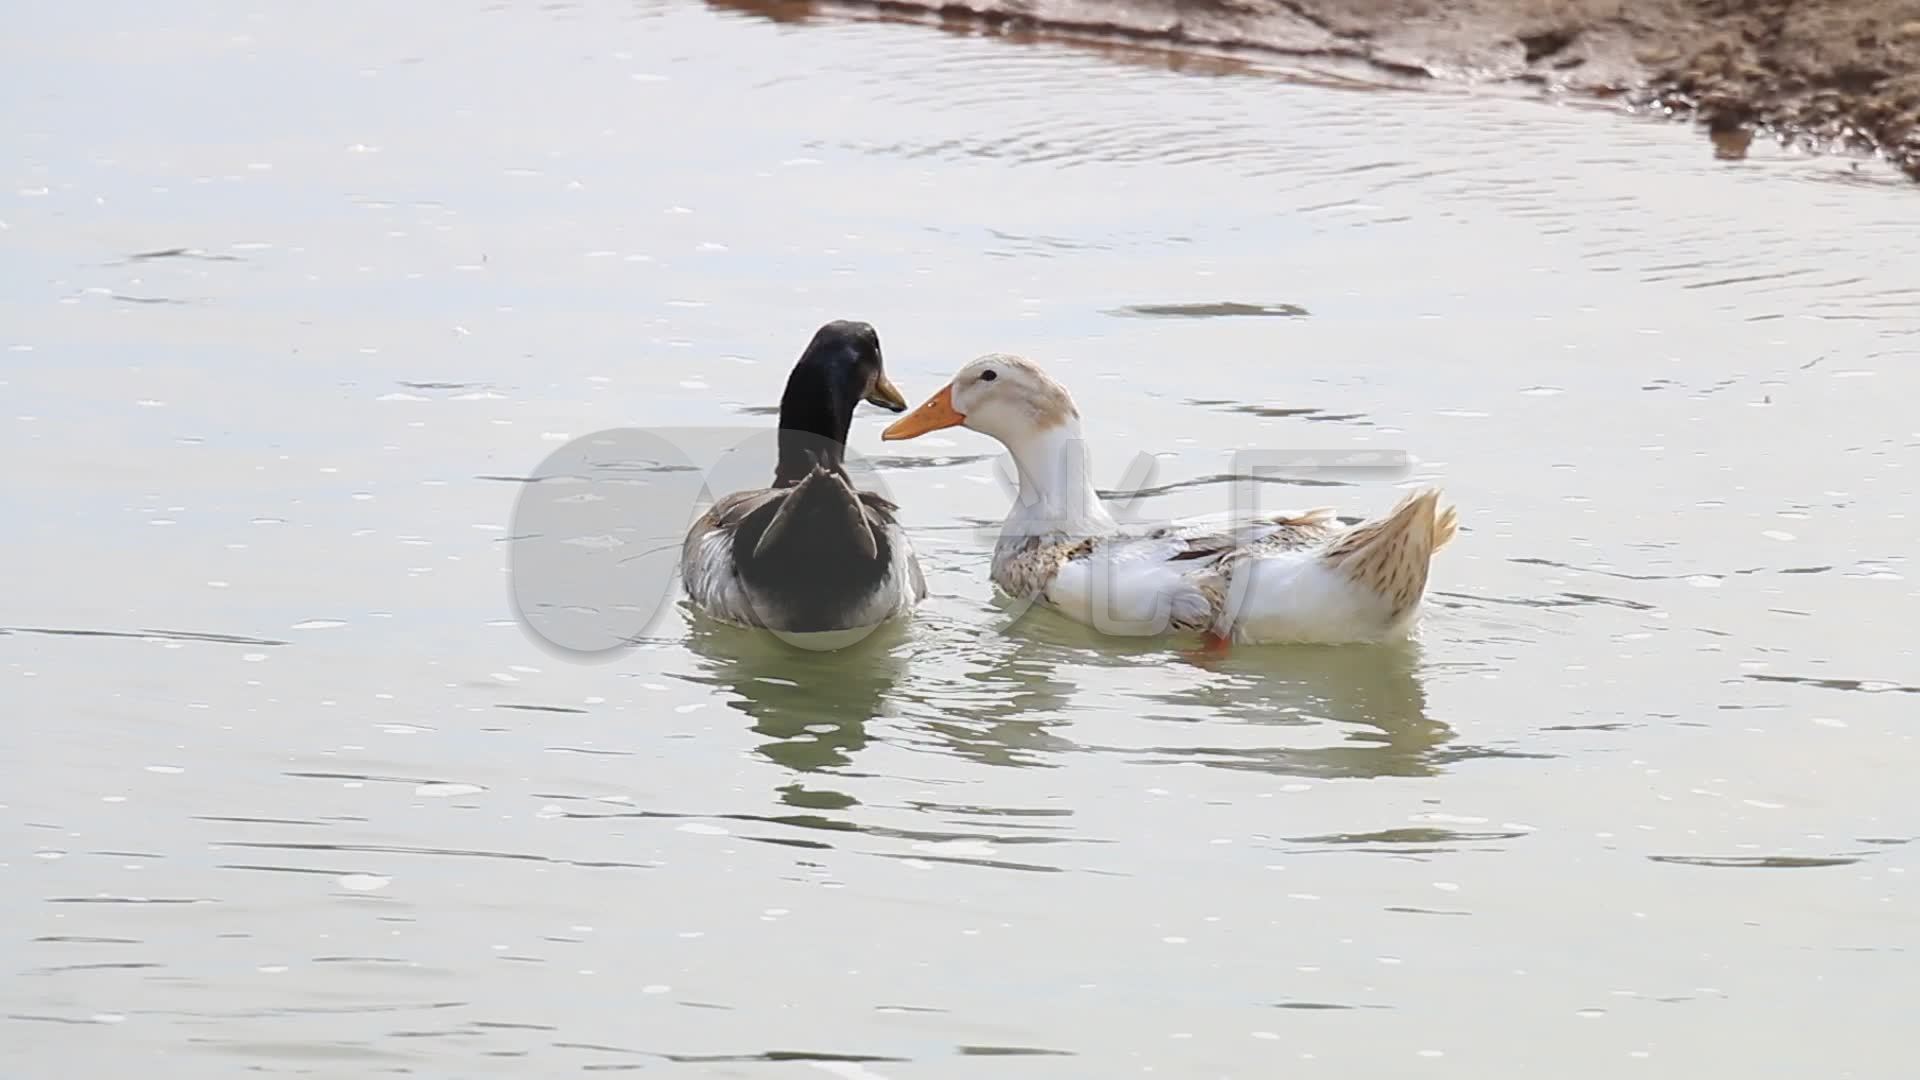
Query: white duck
column 1303, row 578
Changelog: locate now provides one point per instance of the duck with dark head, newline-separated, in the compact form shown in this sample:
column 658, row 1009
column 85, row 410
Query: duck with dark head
column 810, row 553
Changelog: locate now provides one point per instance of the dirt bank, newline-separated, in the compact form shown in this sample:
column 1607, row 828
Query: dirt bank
column 1829, row 74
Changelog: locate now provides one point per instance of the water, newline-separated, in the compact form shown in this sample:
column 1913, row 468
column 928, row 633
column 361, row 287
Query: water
column 291, row 790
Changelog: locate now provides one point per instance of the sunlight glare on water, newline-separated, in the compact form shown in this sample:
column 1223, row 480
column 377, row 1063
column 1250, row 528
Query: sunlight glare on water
column 296, row 300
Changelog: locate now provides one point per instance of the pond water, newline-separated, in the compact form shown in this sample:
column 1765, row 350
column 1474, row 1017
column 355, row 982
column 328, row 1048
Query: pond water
column 295, row 300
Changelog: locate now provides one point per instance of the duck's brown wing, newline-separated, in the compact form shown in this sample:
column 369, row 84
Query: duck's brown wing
column 1276, row 533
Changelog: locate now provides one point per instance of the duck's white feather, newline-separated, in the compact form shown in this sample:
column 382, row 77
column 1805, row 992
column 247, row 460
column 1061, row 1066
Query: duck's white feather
column 1129, row 585
column 1298, row 596
column 1303, row 578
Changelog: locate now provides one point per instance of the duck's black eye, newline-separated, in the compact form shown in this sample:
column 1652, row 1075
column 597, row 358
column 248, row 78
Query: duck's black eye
column 989, row 375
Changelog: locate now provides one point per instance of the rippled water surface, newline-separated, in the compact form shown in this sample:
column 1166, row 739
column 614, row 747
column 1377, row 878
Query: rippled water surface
column 295, row 298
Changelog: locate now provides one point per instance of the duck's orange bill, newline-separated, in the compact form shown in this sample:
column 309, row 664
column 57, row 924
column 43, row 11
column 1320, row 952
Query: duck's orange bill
column 933, row 414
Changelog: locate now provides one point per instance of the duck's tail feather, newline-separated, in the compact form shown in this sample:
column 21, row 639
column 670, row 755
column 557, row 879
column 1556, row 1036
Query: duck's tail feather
column 824, row 496
column 1445, row 526
column 1390, row 556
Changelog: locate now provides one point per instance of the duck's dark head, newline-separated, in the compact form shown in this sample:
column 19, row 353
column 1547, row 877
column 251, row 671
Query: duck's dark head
column 840, row 368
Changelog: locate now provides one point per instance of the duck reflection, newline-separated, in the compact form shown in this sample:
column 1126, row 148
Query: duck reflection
column 1347, row 711
column 813, row 707
column 1372, row 694
column 1004, row 708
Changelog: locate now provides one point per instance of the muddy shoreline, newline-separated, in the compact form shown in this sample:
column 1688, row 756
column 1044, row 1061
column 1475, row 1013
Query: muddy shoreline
column 1828, row 75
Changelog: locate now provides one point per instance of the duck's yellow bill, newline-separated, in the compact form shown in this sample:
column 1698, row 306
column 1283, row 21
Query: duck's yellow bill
column 886, row 395
column 933, row 414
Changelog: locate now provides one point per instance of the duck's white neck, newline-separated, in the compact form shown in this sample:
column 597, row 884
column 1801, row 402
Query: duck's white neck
column 1056, row 485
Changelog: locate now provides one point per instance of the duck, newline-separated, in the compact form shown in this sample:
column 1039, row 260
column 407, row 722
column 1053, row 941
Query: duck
column 810, row 553
column 1304, row 578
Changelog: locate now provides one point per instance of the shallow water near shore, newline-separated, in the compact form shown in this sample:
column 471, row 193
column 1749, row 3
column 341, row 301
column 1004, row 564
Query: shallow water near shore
column 296, row 302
